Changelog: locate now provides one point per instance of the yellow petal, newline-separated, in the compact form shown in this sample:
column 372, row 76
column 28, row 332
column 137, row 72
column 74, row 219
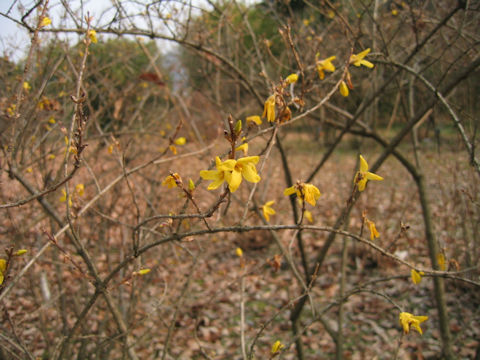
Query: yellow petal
column 249, row 159
column 276, row 347
column 291, row 79
column 372, row 176
column 344, row 89
column 143, row 271
column 363, row 164
column 361, row 184
column 308, row 216
column 289, row 191
column 416, row 278
column 243, row 147
column 239, row 252
column 255, row 119
column 180, row 141
column 234, row 179
column 227, row 165
column 250, row 174
column 45, row 22
column 20, row 252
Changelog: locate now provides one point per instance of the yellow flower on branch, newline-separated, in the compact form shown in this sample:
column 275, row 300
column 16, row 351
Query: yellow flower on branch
column 45, row 22
column 3, row 268
column 344, row 89
column 80, row 189
column 255, row 119
column 172, row 180
column 269, row 109
column 218, row 176
column 63, row 198
column 276, row 347
column 307, row 192
column 239, row 252
column 291, row 79
column 363, row 175
column 26, row 86
column 325, row 65
column 358, row 59
column 92, row 35
column 408, row 320
column 180, row 141
column 243, row 147
column 268, row 210
column 308, row 215
column 236, row 169
column 373, row 230
column 416, row 276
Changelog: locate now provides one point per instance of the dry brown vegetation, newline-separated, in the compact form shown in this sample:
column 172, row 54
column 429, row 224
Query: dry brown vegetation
column 90, row 133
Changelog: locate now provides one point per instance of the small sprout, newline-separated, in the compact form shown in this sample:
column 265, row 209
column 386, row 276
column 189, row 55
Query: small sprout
column 180, row 141
column 268, row 210
column 20, row 252
column 276, row 347
column 255, row 119
column 191, row 185
column 291, row 79
column 416, row 276
column 239, row 252
column 238, row 127
column 407, row 320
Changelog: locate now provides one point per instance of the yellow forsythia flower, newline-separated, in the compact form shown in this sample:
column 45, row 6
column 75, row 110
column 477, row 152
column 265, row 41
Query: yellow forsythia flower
column 344, row 89
column 394, row 12
column 243, row 147
column 255, row 119
column 180, row 141
column 239, row 252
column 51, row 157
column 232, row 172
column 276, row 347
column 45, row 22
column 291, row 79
column 171, row 180
column 269, row 109
column 416, row 276
column 308, row 215
column 143, row 272
column 358, row 59
column 268, row 210
column 373, row 230
column 20, row 252
column 92, row 34
column 63, row 198
column 29, row 170
column 307, row 192
column 407, row 320
column 3, row 268
column 26, row 86
column 441, row 261
column 80, row 189
column 325, row 65
column 363, row 175
column 51, row 120
column 173, row 149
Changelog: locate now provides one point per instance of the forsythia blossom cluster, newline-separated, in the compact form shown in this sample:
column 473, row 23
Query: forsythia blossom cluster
column 232, row 171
